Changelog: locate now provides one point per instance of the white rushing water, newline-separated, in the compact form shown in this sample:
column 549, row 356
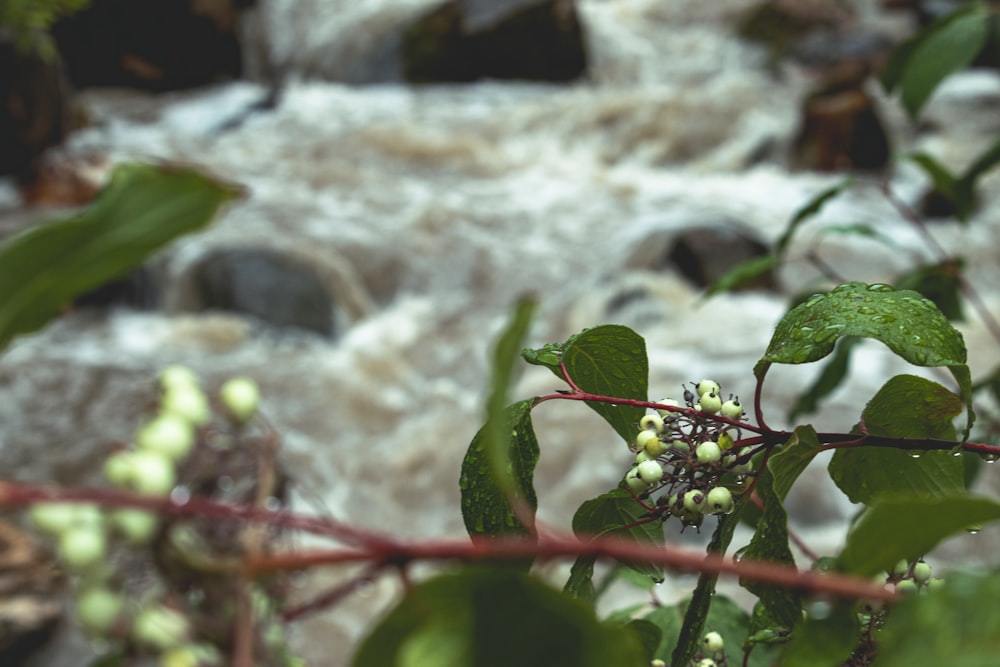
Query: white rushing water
column 429, row 211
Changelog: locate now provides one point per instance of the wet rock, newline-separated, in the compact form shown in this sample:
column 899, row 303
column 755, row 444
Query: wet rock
column 34, row 107
column 704, row 254
column 779, row 25
column 154, row 45
column 266, row 285
column 140, row 289
column 61, row 178
column 841, row 130
column 465, row 40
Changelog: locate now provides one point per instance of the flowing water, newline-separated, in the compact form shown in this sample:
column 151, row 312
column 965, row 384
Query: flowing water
column 429, row 211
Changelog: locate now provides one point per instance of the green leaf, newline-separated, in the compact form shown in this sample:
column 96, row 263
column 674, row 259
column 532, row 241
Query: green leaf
column 484, row 505
column 581, row 580
column 956, row 625
column 498, row 433
column 617, row 513
column 770, row 539
column 944, row 48
column 910, row 325
column 608, row 360
column 907, row 406
column 809, row 210
column 825, row 642
column 939, row 283
column 648, row 634
column 741, row 274
column 895, row 528
column 944, row 181
column 829, row 379
column 494, row 618
column 723, row 616
column 143, row 208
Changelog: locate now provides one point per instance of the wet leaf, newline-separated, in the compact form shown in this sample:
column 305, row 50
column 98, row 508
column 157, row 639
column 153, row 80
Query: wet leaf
column 608, row 360
column 907, row 406
column 939, row 283
column 825, row 642
column 495, row 618
column 894, row 528
column 143, row 208
column 809, row 210
column 617, row 513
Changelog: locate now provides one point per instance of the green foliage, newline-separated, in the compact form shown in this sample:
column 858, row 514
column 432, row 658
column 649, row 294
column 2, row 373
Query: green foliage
column 496, row 617
column 29, row 21
column 824, row 642
column 948, row 45
column 608, row 360
column 905, row 407
column 143, row 208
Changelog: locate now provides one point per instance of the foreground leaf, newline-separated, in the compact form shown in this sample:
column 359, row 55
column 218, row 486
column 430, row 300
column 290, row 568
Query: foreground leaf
column 910, row 325
column 957, row 624
column 495, row 618
column 143, row 208
column 907, row 406
column 609, row 360
column 897, row 528
column 824, row 642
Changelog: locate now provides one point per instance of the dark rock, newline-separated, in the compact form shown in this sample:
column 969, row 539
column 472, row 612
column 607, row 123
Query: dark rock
column 140, row 289
column 779, row 25
column 704, row 254
column 266, row 285
column 839, row 130
column 154, row 44
column 462, row 41
column 34, row 107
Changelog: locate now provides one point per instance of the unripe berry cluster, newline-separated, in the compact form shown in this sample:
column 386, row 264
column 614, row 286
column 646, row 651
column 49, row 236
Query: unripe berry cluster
column 186, row 447
column 711, row 653
column 682, row 452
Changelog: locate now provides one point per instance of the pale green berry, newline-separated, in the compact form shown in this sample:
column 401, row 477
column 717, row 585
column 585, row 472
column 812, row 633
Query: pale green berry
column 187, row 402
column 160, row 628
column 696, row 407
column 719, row 500
column 707, row 387
column 644, row 438
column 177, row 376
column 98, row 609
column 743, row 468
column 53, row 518
column 708, row 452
column 241, row 397
column 906, row 587
column 152, row 473
column 642, row 456
column 726, row 441
column 901, row 568
column 657, row 663
column 118, row 468
column 732, row 409
column 135, row 525
column 667, row 414
column 652, row 423
column 706, row 662
column 634, row 482
column 82, row 547
column 710, row 403
column 935, row 583
column 655, row 448
column 693, row 500
column 680, row 446
column 650, row 472
column 169, row 435
column 181, row 656
column 712, row 642
column 921, row 572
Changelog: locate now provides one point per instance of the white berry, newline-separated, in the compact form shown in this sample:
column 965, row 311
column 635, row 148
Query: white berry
column 160, row 628
column 650, row 472
column 187, row 402
column 708, row 452
column 706, row 662
column 719, row 500
column 652, row 423
column 634, row 482
column 707, row 387
column 82, row 547
column 98, row 609
column 712, row 641
column 921, row 572
column 241, row 397
column 118, row 468
column 135, row 525
column 169, row 435
column 667, row 414
column 693, row 500
column 177, row 376
column 152, row 473
column 732, row 409
column 644, row 437
column 710, row 403
column 53, row 518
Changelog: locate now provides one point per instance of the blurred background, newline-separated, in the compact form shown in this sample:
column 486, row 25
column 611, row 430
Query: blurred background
column 412, row 167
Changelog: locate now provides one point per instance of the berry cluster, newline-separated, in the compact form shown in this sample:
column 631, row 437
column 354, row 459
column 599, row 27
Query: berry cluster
column 683, row 452
column 710, row 655
column 148, row 583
